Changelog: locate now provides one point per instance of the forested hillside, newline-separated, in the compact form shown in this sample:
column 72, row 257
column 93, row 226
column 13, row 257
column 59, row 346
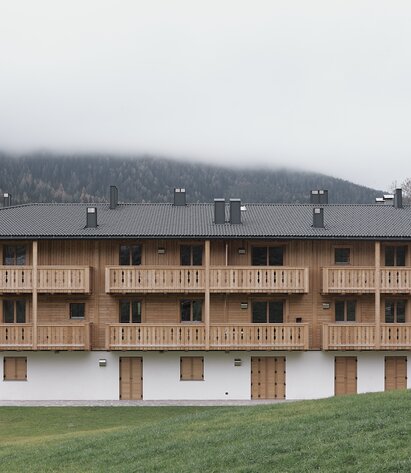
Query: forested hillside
column 66, row 178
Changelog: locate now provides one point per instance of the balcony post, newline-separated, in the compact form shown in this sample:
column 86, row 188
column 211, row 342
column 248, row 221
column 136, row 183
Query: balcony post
column 207, row 295
column 377, row 295
column 34, row 294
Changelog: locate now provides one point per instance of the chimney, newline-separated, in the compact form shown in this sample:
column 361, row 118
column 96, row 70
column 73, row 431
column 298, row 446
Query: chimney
column 6, row 199
column 91, row 217
column 398, row 199
column 219, row 211
column 235, row 211
column 113, row 197
column 180, row 197
column 319, row 197
column 318, row 217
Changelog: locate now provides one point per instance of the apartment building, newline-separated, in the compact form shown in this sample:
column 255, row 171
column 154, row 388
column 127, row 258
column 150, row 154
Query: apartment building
column 204, row 301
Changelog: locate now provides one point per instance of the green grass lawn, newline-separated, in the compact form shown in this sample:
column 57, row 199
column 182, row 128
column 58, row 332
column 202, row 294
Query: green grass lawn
column 364, row 433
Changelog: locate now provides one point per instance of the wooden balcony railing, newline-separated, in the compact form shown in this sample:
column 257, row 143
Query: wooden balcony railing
column 155, row 337
column 363, row 337
column 49, row 337
column 16, row 279
column 395, row 280
column 259, row 337
column 50, row 279
column 348, row 279
column 127, row 279
column 259, row 279
column 63, row 279
column 193, row 337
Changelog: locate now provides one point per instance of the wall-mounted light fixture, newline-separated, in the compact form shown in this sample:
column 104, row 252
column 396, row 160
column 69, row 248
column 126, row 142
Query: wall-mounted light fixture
column 102, row 362
column 326, row 305
column 161, row 251
column 238, row 362
column 244, row 305
column 241, row 251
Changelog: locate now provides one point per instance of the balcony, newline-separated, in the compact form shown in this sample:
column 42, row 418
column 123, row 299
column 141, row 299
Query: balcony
column 49, row 337
column 395, row 280
column 146, row 279
column 193, row 337
column 264, row 279
column 50, row 279
column 363, row 337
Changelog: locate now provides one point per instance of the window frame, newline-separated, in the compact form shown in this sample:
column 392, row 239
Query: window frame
column 395, row 302
column 267, row 248
column 345, row 309
column 191, row 245
column 77, row 303
column 395, row 248
column 14, row 246
column 191, row 301
column 130, row 253
column 131, row 302
column 14, row 301
column 267, row 310
column 335, row 248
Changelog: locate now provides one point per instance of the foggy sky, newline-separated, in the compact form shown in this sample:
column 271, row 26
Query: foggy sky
column 317, row 85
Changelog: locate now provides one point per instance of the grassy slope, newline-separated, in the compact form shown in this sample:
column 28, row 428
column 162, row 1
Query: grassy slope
column 366, row 433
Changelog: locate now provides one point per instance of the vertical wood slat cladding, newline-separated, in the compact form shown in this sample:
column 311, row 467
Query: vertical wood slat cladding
column 191, row 368
column 395, row 372
column 345, row 375
column 131, row 378
column 268, row 377
column 15, row 368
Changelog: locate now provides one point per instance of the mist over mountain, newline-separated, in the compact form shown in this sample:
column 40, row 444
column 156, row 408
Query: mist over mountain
column 47, row 177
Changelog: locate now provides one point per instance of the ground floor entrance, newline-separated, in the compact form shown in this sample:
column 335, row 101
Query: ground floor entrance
column 268, row 377
column 395, row 372
column 131, row 378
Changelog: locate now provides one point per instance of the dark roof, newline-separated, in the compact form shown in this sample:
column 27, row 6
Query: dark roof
column 277, row 221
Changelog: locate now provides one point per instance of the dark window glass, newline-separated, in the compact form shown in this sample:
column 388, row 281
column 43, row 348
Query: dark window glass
column 259, row 312
column 20, row 255
column 389, row 312
column 197, row 306
column 395, row 255
column 345, row 311
column 185, row 311
column 130, row 312
column 130, row 255
column 339, row 311
column 350, row 311
column 259, row 256
column 197, row 255
column 401, row 312
column 77, row 310
column 185, row 255
column 342, row 255
column 389, row 256
column 21, row 312
column 275, row 256
column 124, row 312
column 401, row 255
column 136, row 312
column 276, row 315
column 14, row 255
column 191, row 255
column 136, row 255
column 124, row 255
column 8, row 312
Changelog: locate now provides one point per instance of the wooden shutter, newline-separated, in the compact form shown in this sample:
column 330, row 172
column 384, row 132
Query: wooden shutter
column 395, row 372
column 345, row 375
column 131, row 378
column 191, row 368
column 15, row 368
column 268, row 377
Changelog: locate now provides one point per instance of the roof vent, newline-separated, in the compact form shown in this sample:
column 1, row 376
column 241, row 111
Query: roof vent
column 379, row 200
column 91, row 217
column 318, row 217
column 235, row 211
column 398, row 199
column 113, row 197
column 219, row 211
column 6, row 199
column 180, row 197
column 319, row 197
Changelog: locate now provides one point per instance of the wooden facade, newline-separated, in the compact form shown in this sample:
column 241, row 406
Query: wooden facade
column 310, row 286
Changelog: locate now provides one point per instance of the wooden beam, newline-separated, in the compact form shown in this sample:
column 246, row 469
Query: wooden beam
column 377, row 295
column 207, row 295
column 34, row 294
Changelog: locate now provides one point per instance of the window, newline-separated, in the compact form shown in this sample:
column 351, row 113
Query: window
column 14, row 255
column 130, row 312
column 395, row 311
column 271, row 312
column 14, row 311
column 191, row 311
column 77, row 310
column 192, row 368
column 15, row 368
column 130, row 255
column 342, row 255
column 267, row 256
column 191, row 255
column 395, row 255
column 345, row 311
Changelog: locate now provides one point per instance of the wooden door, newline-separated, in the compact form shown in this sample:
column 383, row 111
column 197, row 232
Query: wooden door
column 268, row 377
column 395, row 372
column 131, row 378
column 345, row 375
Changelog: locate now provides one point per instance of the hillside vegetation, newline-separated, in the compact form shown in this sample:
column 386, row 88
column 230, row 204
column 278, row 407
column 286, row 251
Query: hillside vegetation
column 365, row 433
column 64, row 178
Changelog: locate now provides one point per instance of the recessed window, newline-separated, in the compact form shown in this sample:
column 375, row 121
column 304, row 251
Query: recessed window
column 395, row 255
column 130, row 255
column 15, row 368
column 130, row 312
column 342, row 255
column 267, row 256
column 192, row 368
column 191, row 310
column 271, row 312
column 395, row 311
column 14, row 311
column 191, row 255
column 14, row 255
column 345, row 311
column 77, row 310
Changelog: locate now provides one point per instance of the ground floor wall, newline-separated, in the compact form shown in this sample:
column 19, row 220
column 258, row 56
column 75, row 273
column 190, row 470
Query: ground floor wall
column 226, row 375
